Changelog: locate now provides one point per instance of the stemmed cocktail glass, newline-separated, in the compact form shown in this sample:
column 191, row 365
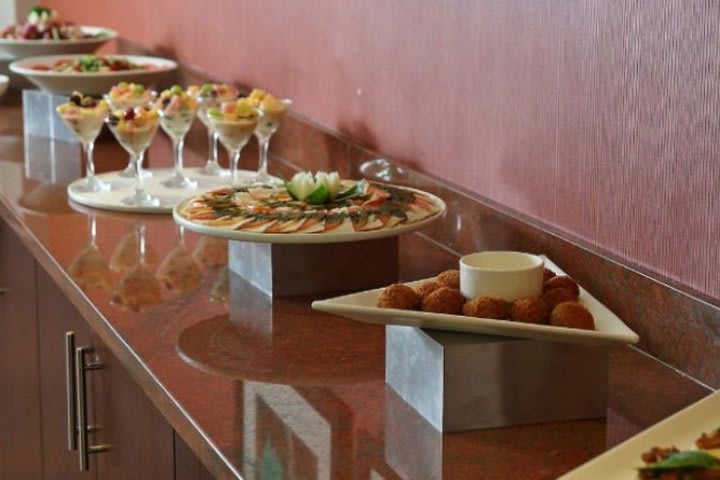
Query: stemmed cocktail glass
column 212, row 95
column 271, row 112
column 85, row 117
column 135, row 129
column 177, row 112
column 124, row 96
column 234, row 123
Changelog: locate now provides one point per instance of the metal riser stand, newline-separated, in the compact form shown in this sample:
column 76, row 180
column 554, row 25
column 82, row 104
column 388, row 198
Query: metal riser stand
column 460, row 381
column 304, row 269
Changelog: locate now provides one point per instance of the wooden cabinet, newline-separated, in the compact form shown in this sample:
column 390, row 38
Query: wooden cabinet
column 20, row 448
column 35, row 316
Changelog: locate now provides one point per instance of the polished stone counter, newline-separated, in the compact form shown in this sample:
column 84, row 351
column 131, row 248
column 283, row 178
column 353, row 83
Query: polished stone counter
column 254, row 386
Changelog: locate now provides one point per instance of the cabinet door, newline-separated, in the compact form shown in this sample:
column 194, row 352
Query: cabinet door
column 20, row 442
column 56, row 316
column 140, row 439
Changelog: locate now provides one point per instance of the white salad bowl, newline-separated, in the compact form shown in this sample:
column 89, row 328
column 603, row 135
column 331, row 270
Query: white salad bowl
column 21, row 48
column 91, row 83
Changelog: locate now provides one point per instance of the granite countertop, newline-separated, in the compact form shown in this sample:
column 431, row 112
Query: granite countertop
column 308, row 392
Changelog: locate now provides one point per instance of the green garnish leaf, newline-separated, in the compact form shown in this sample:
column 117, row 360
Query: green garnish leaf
column 206, row 88
column 320, row 195
column 686, row 459
column 356, row 190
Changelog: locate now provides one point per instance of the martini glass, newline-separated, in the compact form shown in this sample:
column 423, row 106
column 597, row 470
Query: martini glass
column 138, row 289
column 124, row 96
column 212, row 96
column 85, row 117
column 134, row 129
column 177, row 111
column 234, row 133
column 272, row 112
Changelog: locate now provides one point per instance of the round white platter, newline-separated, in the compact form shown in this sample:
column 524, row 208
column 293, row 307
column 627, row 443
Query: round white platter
column 20, row 48
column 307, row 238
column 122, row 187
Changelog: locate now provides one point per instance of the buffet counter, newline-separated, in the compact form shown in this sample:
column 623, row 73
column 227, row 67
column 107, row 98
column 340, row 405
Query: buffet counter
column 251, row 388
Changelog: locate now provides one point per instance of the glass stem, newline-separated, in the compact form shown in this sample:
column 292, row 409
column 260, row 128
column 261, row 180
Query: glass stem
column 88, row 148
column 178, row 150
column 181, row 235
column 140, row 231
column 139, row 187
column 212, row 146
column 233, row 167
column 264, row 144
column 92, row 229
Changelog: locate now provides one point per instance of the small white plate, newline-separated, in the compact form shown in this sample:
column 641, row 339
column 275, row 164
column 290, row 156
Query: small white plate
column 609, row 329
column 90, row 83
column 306, row 238
column 20, row 48
column 123, row 187
column 680, row 430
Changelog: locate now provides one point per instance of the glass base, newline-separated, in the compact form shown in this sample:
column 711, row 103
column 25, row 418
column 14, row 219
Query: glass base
column 129, row 172
column 178, row 180
column 92, row 185
column 262, row 178
column 141, row 199
column 214, row 169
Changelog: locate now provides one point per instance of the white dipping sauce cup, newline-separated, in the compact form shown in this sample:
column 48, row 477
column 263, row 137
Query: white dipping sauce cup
column 506, row 275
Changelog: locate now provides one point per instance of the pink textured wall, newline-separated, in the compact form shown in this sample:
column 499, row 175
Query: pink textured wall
column 599, row 118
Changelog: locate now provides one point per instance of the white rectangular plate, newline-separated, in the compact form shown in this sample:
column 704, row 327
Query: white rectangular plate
column 680, row 430
column 363, row 308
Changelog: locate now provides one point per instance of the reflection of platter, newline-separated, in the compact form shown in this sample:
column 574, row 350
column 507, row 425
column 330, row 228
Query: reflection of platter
column 321, row 352
column 680, row 430
column 363, row 308
column 271, row 215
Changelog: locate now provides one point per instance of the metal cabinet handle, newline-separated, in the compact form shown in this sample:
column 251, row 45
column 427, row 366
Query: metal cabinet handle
column 70, row 390
column 84, row 450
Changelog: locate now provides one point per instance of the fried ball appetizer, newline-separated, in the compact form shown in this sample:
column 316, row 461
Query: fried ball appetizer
column 572, row 315
column 449, row 278
column 399, row 296
column 486, row 307
column 563, row 281
column 530, row 310
column 443, row 300
column 555, row 296
column 548, row 274
column 426, row 288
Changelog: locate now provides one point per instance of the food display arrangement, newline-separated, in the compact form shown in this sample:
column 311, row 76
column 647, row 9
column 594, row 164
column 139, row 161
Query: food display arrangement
column 562, row 310
column 133, row 113
column 557, row 306
column 319, row 208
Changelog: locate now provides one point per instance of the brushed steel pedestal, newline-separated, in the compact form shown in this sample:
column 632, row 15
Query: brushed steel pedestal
column 459, row 381
column 302, row 269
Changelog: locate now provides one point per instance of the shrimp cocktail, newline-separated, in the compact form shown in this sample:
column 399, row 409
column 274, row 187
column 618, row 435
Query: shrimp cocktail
column 127, row 95
column 212, row 95
column 177, row 112
column 134, row 129
column 85, row 116
column 272, row 111
column 234, row 123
